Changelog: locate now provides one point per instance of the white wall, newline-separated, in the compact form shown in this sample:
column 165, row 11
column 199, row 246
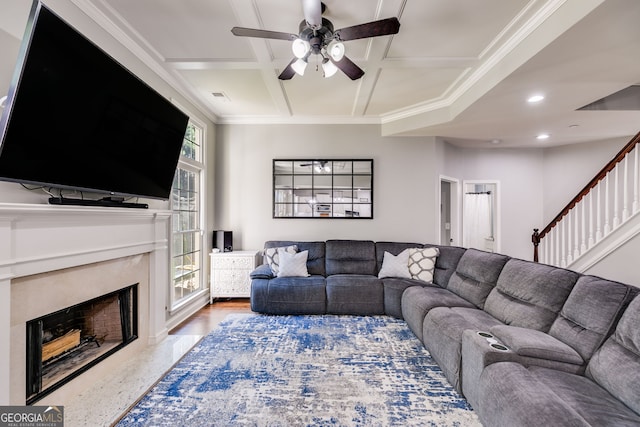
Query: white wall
column 567, row 169
column 620, row 264
column 404, row 192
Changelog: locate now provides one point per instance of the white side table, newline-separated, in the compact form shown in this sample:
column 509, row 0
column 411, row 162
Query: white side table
column 230, row 273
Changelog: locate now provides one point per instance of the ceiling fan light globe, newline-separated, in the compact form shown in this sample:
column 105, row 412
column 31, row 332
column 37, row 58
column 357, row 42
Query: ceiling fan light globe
column 300, row 48
column 299, row 66
column 336, row 50
column 329, row 68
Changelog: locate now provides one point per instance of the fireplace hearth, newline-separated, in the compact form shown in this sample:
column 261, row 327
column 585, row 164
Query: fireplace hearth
column 63, row 344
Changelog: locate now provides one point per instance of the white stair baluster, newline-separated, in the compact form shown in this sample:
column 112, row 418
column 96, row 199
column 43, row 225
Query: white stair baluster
column 583, row 226
column 569, row 224
column 607, row 226
column 634, row 207
column 576, row 232
column 591, row 241
column 616, row 192
column 563, row 253
column 598, row 212
column 625, row 190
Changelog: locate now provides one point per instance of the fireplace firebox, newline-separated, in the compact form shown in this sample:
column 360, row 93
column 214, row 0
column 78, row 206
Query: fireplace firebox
column 63, row 344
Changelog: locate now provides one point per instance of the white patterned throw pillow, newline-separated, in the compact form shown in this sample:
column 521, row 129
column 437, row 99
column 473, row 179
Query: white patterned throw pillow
column 395, row 265
column 422, row 263
column 271, row 256
column 293, row 265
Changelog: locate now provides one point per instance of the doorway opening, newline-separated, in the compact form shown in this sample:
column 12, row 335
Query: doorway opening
column 481, row 208
column 449, row 212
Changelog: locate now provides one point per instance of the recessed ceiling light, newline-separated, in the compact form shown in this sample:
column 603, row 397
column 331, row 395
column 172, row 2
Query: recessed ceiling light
column 535, row 98
column 543, row 136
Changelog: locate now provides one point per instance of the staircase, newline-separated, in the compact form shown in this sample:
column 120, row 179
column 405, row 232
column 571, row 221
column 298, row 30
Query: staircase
column 604, row 215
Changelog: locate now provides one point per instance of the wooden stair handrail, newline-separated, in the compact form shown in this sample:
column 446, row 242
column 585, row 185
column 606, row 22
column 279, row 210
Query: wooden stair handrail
column 537, row 236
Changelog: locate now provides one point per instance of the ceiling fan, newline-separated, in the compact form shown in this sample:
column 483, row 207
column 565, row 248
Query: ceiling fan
column 319, row 165
column 316, row 36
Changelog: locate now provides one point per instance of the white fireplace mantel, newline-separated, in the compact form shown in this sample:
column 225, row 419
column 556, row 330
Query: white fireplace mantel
column 37, row 239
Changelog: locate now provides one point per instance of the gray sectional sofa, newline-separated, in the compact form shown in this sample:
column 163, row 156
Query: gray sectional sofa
column 527, row 344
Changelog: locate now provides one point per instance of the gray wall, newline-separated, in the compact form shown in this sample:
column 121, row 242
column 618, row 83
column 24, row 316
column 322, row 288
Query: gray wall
column 404, row 182
column 520, row 191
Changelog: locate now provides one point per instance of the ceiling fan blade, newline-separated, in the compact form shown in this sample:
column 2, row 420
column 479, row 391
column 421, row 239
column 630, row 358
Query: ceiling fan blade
column 288, row 72
column 263, row 34
column 349, row 68
column 312, row 10
column 382, row 27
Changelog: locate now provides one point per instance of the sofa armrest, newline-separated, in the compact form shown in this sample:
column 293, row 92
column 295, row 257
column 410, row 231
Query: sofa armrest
column 532, row 343
column 262, row 272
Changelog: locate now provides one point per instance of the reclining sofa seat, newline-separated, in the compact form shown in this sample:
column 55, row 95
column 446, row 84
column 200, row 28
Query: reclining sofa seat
column 352, row 284
column 475, row 274
column 511, row 393
column 527, row 295
column 291, row 295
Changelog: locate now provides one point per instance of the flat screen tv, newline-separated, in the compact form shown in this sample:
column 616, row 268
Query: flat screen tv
column 77, row 119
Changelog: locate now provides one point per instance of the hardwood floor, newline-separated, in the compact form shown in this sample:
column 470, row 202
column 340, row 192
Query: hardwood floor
column 208, row 317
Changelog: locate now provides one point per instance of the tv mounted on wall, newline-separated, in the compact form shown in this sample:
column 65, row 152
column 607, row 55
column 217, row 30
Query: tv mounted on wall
column 77, row 119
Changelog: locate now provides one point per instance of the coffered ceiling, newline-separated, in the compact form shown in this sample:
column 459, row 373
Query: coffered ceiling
column 458, row 69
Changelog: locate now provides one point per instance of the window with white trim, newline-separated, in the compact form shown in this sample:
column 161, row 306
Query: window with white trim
column 187, row 219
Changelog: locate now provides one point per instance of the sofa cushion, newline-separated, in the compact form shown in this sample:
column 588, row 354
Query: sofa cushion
column 530, row 295
column 476, row 274
column 354, row 294
column 316, row 258
column 442, row 335
column 590, row 313
column 511, row 394
column 616, row 365
column 422, row 263
column 417, row 302
column 446, row 263
column 292, row 265
column 532, row 343
column 350, row 257
column 395, row 265
column 393, row 290
column 289, row 295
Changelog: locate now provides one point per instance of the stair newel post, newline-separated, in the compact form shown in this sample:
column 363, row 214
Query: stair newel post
column 535, row 239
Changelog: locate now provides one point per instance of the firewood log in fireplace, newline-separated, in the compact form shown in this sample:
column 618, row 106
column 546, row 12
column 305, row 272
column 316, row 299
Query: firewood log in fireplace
column 61, row 344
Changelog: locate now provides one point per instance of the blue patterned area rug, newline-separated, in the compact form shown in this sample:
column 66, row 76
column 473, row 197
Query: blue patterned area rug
column 257, row 370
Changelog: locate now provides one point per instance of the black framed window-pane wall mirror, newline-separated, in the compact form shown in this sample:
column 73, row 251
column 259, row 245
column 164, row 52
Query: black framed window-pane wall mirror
column 323, row 188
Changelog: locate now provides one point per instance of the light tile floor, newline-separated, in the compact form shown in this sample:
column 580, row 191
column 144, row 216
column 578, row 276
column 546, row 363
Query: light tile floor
column 105, row 403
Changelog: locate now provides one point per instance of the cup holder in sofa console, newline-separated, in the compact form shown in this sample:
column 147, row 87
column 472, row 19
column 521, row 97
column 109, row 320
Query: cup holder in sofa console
column 499, row 347
column 484, row 334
